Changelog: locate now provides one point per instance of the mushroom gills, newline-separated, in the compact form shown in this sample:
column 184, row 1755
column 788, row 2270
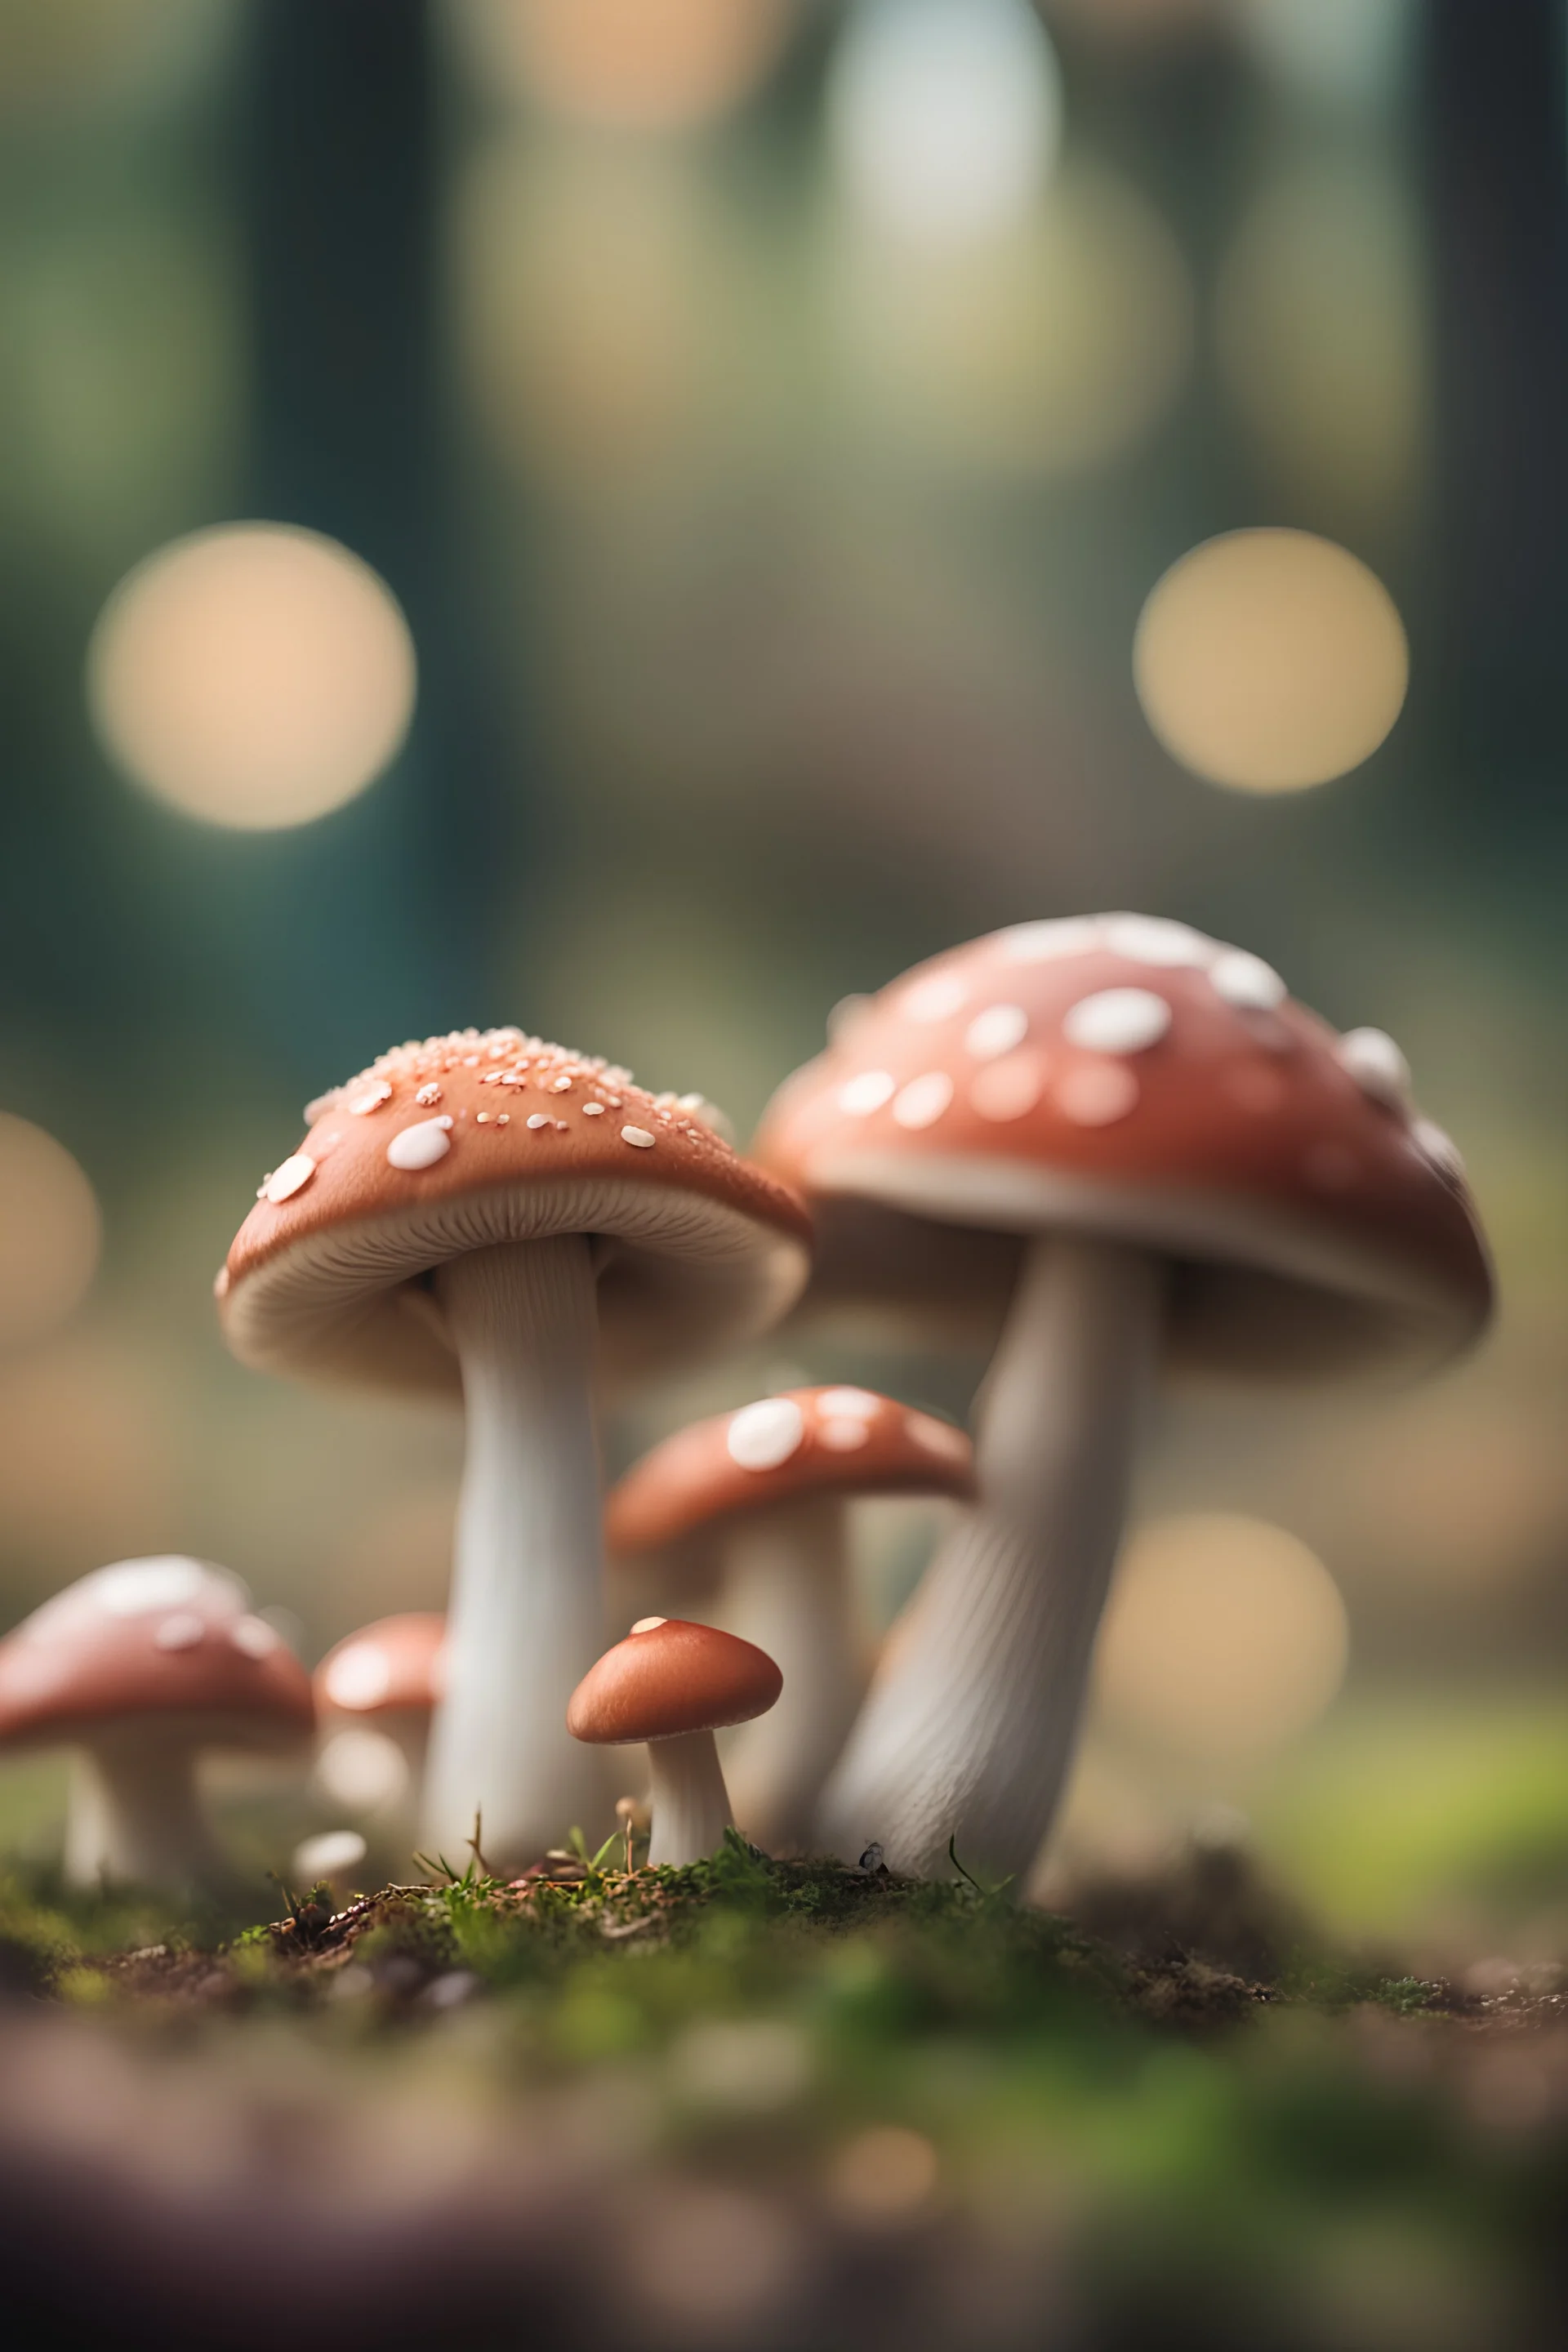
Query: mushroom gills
column 969, row 1733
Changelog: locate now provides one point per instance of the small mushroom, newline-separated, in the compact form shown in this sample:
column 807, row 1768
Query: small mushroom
column 141, row 1668
column 1117, row 1141
column 376, row 1693
column 772, row 1485
column 535, row 1223
column 674, row 1684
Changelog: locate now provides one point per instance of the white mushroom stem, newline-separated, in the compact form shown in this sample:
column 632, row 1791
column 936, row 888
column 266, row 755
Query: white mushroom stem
column 690, row 1803
column 136, row 1817
column 527, row 1599
column 969, row 1732
column 787, row 1589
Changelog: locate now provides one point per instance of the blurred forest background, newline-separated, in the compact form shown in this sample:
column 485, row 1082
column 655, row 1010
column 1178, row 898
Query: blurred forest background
column 771, row 421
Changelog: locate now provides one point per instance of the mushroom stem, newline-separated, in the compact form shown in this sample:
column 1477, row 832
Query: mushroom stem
column 135, row 1815
column 527, row 1581
column 690, row 1802
column 970, row 1733
column 787, row 1588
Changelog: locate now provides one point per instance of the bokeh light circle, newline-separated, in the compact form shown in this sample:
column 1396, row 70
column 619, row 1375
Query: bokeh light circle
column 1224, row 1637
column 945, row 116
column 50, row 1233
column 1269, row 660
column 256, row 676
column 638, row 65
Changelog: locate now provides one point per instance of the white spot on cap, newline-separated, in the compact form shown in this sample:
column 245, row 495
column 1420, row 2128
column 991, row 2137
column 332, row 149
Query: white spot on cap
column 293, row 1177
column 997, row 1031
column 255, row 1638
column 649, row 1624
column 860, row 1096
column 1246, row 981
column 923, row 1100
column 1097, row 1094
column 133, row 1586
column 717, row 1122
column 536, row 1119
column 428, row 1096
column 182, row 1632
column 1118, row 1020
column 1008, row 1088
column 639, row 1137
column 590, row 1110
column 840, row 1434
column 763, row 1435
column 1151, row 938
column 1434, row 1144
column 1377, row 1066
column 1070, row 935
column 372, row 1099
column 419, row 1146
column 328, row 1855
column 933, row 999
column 854, row 1404
column 358, row 1677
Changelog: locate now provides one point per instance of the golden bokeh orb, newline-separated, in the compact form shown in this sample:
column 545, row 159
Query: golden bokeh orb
column 256, row 676
column 1269, row 660
column 1224, row 1637
column 50, row 1233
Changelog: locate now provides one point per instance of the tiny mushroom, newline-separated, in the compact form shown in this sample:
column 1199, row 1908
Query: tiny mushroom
column 774, row 1482
column 674, row 1684
column 376, row 1693
column 1112, row 1139
column 487, row 1214
column 140, row 1668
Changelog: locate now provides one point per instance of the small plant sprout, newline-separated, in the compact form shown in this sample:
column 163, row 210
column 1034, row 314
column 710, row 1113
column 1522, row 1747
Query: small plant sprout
column 773, row 1485
column 141, row 1669
column 627, row 1814
column 673, row 1684
column 488, row 1215
column 1117, row 1144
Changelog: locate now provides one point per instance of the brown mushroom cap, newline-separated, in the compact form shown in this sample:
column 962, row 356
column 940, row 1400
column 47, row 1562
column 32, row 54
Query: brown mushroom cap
column 669, row 1676
column 488, row 1137
column 1125, row 1077
column 388, row 1668
column 836, row 1440
column 165, row 1636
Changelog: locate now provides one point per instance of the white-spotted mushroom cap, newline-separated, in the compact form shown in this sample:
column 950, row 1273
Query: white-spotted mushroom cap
column 487, row 1137
column 168, row 1637
column 670, row 1677
column 393, row 1667
column 1124, row 1076
column 822, row 1441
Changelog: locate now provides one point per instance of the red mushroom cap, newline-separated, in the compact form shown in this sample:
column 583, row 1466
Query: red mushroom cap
column 836, row 1440
column 669, row 1676
column 488, row 1137
column 1122, row 1076
column 165, row 1636
column 392, row 1667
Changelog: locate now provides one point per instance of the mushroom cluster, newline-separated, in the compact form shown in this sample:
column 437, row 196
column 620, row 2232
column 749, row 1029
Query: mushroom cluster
column 1109, row 1146
column 1117, row 1144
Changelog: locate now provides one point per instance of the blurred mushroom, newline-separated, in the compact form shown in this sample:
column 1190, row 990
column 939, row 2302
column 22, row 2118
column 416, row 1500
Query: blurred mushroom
column 375, row 1695
column 773, row 1483
column 141, row 1668
column 674, row 1684
column 1126, row 1140
column 332, row 1858
column 485, row 1211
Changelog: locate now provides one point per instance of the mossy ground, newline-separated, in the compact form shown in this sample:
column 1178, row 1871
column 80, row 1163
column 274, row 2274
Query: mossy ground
column 1305, row 2137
